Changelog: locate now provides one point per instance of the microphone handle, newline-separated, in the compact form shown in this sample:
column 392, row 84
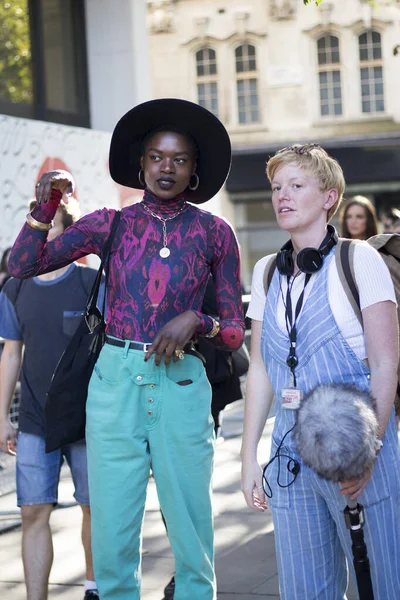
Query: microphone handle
column 351, row 503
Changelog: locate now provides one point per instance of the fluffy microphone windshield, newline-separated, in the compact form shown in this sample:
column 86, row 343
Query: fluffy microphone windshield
column 335, row 431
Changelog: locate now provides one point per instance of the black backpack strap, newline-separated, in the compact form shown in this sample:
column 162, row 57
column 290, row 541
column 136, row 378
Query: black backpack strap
column 92, row 302
column 268, row 274
column 12, row 288
column 344, row 256
column 86, row 276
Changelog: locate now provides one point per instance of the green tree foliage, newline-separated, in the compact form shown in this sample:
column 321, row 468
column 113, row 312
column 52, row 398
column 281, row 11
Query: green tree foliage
column 317, row 2
column 15, row 52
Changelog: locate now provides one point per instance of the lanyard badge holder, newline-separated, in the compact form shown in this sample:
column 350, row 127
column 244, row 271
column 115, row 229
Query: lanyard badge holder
column 292, row 396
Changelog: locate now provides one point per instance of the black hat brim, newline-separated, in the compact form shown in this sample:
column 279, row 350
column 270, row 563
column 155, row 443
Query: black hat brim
column 210, row 135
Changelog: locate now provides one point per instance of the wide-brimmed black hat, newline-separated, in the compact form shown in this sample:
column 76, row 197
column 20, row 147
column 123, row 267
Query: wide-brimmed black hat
column 211, row 137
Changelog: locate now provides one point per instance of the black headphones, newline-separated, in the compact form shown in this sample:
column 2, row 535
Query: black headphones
column 309, row 260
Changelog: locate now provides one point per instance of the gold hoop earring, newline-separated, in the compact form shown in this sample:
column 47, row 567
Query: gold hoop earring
column 140, row 176
column 194, row 187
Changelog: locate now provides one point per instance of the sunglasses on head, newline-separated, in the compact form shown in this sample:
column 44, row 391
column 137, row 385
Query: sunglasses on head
column 299, row 149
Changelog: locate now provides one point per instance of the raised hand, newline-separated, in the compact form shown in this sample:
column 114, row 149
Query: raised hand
column 59, row 180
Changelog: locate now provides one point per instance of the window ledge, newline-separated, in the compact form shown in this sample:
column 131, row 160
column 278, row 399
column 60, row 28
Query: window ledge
column 349, row 120
column 247, row 128
column 321, row 121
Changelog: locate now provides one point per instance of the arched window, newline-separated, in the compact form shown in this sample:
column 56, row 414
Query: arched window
column 247, row 84
column 330, row 87
column 207, row 82
column 371, row 72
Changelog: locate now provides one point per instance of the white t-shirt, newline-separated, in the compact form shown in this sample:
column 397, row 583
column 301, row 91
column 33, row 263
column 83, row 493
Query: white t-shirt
column 373, row 281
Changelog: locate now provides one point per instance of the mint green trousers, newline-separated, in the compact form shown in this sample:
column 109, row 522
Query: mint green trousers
column 139, row 417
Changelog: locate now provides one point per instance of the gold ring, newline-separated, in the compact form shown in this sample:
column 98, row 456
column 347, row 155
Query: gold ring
column 179, row 354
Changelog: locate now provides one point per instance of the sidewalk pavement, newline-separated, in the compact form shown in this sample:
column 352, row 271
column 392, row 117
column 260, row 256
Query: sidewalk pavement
column 244, row 540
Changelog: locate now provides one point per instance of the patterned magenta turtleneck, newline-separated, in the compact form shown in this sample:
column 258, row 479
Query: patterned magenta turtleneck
column 144, row 290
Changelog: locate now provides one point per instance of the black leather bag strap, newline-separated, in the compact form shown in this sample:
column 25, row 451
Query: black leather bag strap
column 13, row 288
column 86, row 279
column 92, row 301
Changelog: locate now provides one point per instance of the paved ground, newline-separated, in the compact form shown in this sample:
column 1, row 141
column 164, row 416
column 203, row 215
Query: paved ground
column 245, row 556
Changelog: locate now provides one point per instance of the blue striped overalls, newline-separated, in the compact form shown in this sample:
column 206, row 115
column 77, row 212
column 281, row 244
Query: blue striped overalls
column 312, row 542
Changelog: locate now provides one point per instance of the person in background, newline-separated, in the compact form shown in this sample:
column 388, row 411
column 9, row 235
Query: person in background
column 391, row 222
column 4, row 274
column 358, row 219
column 39, row 316
column 149, row 399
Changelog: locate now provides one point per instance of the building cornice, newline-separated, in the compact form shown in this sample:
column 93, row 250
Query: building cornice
column 323, row 29
column 356, row 26
column 231, row 38
column 378, row 24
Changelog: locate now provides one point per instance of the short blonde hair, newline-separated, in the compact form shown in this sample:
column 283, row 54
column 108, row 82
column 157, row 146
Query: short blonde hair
column 317, row 162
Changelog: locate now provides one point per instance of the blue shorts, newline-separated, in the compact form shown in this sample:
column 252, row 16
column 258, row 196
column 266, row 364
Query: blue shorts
column 38, row 473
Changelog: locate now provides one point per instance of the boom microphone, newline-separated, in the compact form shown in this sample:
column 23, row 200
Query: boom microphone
column 336, row 431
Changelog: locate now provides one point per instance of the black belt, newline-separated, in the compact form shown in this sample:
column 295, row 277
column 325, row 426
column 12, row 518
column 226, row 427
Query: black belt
column 132, row 345
column 145, row 347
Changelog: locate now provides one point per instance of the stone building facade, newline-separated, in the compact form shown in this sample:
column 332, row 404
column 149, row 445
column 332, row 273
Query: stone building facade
column 277, row 72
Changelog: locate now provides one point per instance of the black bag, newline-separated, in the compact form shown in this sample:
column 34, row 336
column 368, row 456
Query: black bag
column 65, row 408
column 240, row 361
column 218, row 363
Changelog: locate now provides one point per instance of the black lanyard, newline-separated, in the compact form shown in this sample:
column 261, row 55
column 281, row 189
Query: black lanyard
column 292, row 360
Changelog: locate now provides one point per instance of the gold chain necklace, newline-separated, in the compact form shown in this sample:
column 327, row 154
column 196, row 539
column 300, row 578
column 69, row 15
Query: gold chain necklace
column 165, row 251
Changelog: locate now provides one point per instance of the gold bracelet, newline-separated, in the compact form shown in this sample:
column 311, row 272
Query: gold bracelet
column 214, row 330
column 37, row 224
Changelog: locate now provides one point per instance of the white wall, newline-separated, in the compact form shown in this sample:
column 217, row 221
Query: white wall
column 29, row 148
column 119, row 76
